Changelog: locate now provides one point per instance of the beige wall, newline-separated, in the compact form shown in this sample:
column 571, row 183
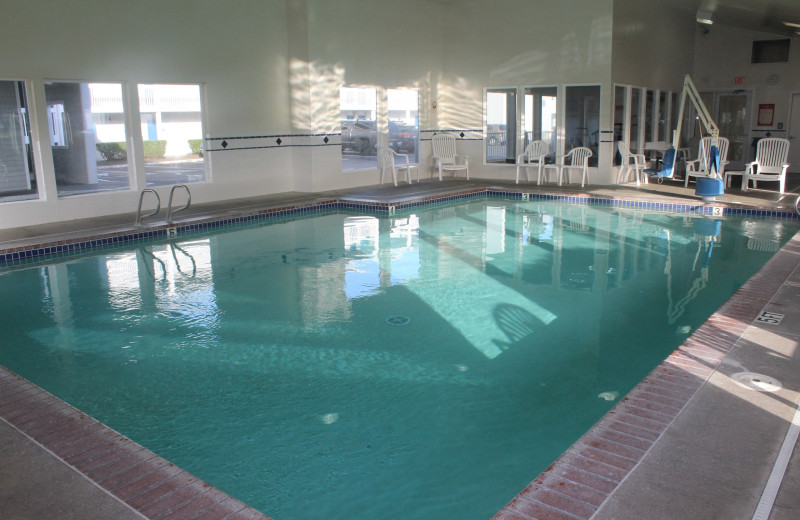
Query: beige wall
column 275, row 67
column 724, row 53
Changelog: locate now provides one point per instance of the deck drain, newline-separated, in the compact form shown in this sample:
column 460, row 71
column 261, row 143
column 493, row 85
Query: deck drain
column 758, row 382
column 398, row 320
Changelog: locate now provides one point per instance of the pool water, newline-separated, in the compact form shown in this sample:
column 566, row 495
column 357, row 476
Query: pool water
column 427, row 366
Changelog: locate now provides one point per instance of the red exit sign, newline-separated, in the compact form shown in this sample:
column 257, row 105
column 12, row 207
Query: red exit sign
column 738, row 80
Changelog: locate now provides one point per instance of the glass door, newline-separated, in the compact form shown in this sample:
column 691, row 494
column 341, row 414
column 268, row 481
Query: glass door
column 730, row 114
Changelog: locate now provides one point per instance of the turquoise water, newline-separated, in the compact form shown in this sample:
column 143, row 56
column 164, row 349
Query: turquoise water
column 355, row 367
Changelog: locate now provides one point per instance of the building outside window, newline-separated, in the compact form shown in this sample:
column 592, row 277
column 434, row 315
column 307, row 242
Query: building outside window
column 17, row 174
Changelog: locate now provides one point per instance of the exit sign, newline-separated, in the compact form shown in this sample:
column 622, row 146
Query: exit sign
column 738, row 80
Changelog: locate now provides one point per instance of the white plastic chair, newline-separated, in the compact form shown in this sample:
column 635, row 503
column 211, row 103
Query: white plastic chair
column 445, row 157
column 770, row 163
column 638, row 166
column 534, row 155
column 701, row 166
column 576, row 159
column 386, row 161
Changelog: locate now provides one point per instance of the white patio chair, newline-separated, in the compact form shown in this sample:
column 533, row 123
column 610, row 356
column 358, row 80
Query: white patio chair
column 445, row 157
column 638, row 166
column 534, row 155
column 701, row 166
column 386, row 161
column 770, row 163
column 576, row 159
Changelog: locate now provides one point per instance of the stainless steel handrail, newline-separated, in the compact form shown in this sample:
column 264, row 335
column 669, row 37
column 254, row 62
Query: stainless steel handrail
column 139, row 215
column 796, row 203
column 171, row 193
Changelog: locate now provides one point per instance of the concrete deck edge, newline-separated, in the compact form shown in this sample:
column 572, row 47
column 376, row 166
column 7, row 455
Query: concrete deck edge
column 583, row 478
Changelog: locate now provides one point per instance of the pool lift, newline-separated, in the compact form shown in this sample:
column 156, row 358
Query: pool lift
column 707, row 187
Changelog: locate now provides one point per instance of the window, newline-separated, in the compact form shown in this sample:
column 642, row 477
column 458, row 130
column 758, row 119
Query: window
column 770, row 51
column 87, row 157
column 636, row 144
column 540, row 117
column 582, row 119
column 17, row 179
column 620, row 97
column 403, row 106
column 171, row 119
column 358, row 115
column 663, row 116
column 501, row 125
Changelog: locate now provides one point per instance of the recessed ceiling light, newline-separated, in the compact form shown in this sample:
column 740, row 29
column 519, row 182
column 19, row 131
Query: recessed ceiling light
column 704, row 17
column 790, row 24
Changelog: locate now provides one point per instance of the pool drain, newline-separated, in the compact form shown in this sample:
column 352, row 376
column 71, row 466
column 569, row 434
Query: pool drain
column 398, row 320
column 758, row 382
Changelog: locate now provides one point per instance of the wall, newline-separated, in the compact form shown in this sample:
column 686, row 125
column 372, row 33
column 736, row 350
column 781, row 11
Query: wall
column 653, row 44
column 272, row 69
column 236, row 49
column 724, row 53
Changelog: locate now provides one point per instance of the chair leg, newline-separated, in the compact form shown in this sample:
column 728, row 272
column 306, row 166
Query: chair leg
column 517, row 181
column 394, row 176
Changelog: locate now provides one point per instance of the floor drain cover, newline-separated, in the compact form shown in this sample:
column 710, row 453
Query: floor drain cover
column 398, row 320
column 757, row 381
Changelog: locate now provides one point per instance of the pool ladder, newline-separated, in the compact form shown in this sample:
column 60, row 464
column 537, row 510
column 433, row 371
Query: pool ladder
column 170, row 211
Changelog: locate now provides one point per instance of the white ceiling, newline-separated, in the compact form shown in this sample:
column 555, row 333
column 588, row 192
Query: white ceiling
column 757, row 15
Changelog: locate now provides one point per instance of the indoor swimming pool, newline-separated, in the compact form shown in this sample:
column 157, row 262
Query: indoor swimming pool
column 426, row 365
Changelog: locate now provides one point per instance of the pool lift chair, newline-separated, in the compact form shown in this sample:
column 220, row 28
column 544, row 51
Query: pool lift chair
column 711, row 185
column 668, row 165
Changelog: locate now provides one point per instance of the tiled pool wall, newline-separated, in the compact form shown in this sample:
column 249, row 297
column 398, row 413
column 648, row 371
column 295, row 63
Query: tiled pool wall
column 27, row 254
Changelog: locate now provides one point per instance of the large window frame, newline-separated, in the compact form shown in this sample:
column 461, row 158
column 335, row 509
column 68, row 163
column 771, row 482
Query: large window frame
column 581, row 118
column 171, row 123
column 539, row 103
column 85, row 162
column 17, row 168
column 372, row 117
column 500, row 119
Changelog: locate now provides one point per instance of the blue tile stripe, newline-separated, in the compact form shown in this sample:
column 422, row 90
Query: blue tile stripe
column 41, row 252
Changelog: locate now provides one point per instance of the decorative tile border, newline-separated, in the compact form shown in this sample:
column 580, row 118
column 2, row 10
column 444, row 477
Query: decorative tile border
column 33, row 253
column 256, row 142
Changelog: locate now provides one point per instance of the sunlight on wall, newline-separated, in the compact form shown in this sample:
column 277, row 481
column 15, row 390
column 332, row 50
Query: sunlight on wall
column 459, row 104
column 315, row 96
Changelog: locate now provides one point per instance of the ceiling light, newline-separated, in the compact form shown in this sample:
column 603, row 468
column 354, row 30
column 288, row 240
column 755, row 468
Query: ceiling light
column 704, row 17
column 790, row 24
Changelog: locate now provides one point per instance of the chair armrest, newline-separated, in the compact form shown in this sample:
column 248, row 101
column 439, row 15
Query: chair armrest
column 521, row 158
column 403, row 155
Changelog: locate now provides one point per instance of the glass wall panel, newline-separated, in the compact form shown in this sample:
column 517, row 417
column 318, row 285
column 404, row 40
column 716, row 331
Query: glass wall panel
column 501, row 125
column 172, row 133
column 87, row 136
column 619, row 120
column 540, row 117
column 358, row 106
column 649, row 109
column 17, row 176
column 403, row 107
column 663, row 114
column 582, row 119
column 636, row 117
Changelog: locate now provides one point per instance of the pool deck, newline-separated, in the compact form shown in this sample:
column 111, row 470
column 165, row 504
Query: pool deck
column 690, row 442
